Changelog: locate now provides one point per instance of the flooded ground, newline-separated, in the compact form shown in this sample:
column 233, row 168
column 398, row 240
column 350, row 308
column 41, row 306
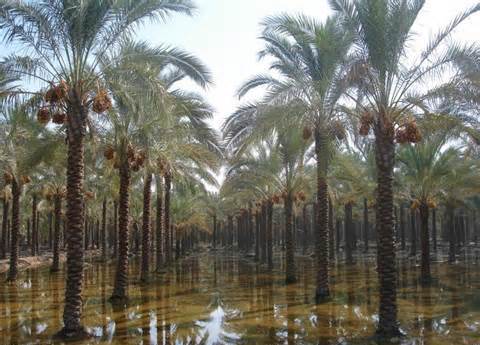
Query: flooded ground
column 221, row 299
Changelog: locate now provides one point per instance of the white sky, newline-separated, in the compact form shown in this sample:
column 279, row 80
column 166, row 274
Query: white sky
column 224, row 35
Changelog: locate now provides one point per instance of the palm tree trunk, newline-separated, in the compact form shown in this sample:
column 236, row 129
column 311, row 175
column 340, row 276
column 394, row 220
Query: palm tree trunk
column 348, row 233
column 50, row 230
column 29, row 238
column 386, row 266
column 305, row 227
column 451, row 234
column 230, row 231
column 57, row 205
column 425, row 264
column 366, row 225
column 402, row 226
column 269, row 237
column 263, row 234
column 434, row 229
column 290, row 242
column 331, row 232
column 338, row 225
column 257, row 236
column 115, row 228
column 16, row 192
column 413, row 233
column 214, row 220
column 168, row 185
column 76, row 125
column 6, row 204
column 321, row 150
column 104, row 230
column 159, row 224
column 34, row 226
column 147, row 197
column 121, row 277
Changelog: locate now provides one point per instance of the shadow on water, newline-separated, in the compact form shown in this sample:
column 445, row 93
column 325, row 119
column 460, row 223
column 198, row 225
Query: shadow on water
column 225, row 299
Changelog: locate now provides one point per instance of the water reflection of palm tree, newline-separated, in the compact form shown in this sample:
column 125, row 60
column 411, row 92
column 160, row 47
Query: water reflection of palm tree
column 290, row 296
column 121, row 323
column 368, row 292
column 145, row 315
column 102, row 279
column 272, row 332
column 33, row 278
column 428, row 307
column 55, row 288
column 12, row 305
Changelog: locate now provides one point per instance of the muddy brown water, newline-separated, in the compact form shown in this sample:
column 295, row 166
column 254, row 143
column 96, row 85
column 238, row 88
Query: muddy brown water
column 226, row 299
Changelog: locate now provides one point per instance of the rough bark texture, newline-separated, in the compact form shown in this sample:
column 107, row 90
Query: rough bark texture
column 147, row 196
column 290, row 242
column 168, row 186
column 115, row 228
column 121, row 276
column 321, row 150
column 76, row 126
column 104, row 230
column 3, row 254
column 57, row 205
column 425, row 242
column 13, row 270
column 159, row 224
column 386, row 265
column 331, row 232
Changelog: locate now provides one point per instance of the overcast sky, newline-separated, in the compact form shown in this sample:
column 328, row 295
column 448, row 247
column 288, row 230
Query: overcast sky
column 224, row 35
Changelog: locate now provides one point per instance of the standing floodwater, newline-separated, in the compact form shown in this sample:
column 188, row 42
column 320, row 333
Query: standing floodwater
column 223, row 299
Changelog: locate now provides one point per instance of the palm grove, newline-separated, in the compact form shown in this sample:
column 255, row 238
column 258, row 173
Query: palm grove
column 356, row 139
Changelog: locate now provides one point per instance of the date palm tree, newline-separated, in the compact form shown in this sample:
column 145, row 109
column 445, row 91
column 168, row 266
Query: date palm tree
column 387, row 75
column 24, row 142
column 139, row 77
column 308, row 56
column 54, row 191
column 66, row 41
column 425, row 169
column 189, row 149
column 276, row 167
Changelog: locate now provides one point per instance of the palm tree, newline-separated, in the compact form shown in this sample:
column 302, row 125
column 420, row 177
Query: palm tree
column 424, row 170
column 307, row 56
column 379, row 69
column 67, row 40
column 134, row 75
column 189, row 148
column 54, row 191
column 146, row 222
column 462, row 183
column 214, row 203
column 6, row 195
column 275, row 170
column 20, row 135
